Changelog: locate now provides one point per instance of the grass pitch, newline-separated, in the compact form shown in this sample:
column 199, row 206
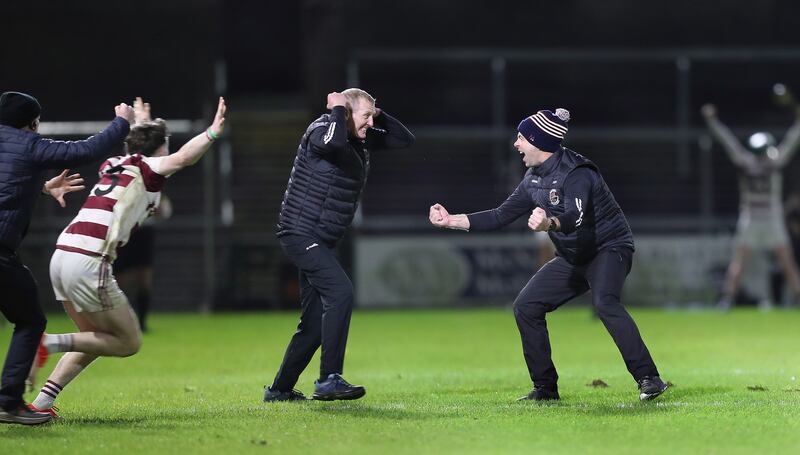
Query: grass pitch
column 437, row 382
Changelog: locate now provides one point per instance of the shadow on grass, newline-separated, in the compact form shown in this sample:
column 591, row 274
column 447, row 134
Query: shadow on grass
column 161, row 422
column 626, row 409
column 11, row 431
column 702, row 393
column 672, row 400
column 387, row 412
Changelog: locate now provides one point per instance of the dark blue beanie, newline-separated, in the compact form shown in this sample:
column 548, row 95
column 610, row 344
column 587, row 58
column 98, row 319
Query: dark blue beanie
column 18, row 109
column 545, row 129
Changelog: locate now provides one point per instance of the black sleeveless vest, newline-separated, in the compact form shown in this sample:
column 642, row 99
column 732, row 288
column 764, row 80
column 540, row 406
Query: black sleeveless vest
column 603, row 225
column 322, row 195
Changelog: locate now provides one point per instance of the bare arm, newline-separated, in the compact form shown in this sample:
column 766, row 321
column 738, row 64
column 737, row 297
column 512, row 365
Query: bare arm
column 440, row 217
column 789, row 145
column 193, row 150
column 141, row 110
column 333, row 138
column 723, row 134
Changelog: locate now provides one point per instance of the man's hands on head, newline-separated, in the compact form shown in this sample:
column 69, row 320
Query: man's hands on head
column 126, row 112
column 538, row 221
column 336, row 99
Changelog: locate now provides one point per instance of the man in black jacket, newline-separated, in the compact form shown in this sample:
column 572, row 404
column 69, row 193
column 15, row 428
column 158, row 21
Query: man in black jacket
column 321, row 198
column 568, row 198
column 24, row 156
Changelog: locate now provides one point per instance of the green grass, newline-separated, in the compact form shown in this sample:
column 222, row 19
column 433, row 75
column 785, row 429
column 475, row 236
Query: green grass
column 438, row 382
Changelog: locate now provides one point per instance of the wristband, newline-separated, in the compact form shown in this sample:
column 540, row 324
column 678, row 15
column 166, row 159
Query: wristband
column 211, row 136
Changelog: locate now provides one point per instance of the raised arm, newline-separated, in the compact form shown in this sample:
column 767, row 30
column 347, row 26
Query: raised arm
column 789, row 145
column 723, row 134
column 389, row 133
column 49, row 154
column 141, row 110
column 333, row 137
column 512, row 208
column 192, row 151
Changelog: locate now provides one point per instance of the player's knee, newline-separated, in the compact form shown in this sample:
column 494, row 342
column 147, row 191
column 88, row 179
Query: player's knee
column 131, row 346
column 343, row 297
column 33, row 319
column 35, row 324
column 39, row 323
column 607, row 303
column 535, row 310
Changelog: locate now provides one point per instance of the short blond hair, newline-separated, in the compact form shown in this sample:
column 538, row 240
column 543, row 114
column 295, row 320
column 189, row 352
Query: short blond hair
column 353, row 94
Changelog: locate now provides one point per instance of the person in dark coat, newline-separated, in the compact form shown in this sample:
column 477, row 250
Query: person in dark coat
column 566, row 197
column 24, row 157
column 321, row 198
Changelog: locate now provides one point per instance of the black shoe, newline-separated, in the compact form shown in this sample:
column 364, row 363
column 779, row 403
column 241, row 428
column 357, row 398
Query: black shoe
column 651, row 387
column 541, row 394
column 24, row 416
column 275, row 395
column 336, row 388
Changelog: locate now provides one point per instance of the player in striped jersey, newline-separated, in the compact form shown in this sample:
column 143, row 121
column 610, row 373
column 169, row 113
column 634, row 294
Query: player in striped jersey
column 129, row 190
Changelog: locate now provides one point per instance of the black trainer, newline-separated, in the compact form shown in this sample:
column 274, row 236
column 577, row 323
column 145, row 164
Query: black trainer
column 24, row 416
column 334, row 387
column 651, row 387
column 276, row 395
column 541, row 394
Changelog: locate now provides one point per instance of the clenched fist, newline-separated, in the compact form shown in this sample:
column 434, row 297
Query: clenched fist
column 439, row 216
column 125, row 111
column 336, row 99
column 538, row 221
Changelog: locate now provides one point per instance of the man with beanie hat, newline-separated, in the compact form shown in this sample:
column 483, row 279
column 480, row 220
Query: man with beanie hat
column 18, row 109
column 24, row 157
column 566, row 197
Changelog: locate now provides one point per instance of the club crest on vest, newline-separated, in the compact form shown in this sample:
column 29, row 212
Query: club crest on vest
column 554, row 199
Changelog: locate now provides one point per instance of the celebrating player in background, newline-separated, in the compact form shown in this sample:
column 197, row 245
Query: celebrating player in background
column 324, row 188
column 24, row 156
column 566, row 197
column 127, row 193
column 761, row 224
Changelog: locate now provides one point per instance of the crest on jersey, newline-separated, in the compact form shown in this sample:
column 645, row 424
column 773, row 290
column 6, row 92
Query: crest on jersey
column 554, row 199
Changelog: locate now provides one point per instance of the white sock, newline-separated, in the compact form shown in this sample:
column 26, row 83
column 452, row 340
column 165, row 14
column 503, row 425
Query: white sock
column 57, row 342
column 47, row 396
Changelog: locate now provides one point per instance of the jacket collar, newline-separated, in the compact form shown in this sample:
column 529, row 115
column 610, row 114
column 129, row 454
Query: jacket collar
column 549, row 164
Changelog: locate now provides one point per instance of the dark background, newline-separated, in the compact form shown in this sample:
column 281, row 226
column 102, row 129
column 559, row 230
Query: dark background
column 276, row 60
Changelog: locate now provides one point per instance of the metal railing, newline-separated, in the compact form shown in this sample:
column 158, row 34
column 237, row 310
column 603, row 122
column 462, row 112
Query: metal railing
column 680, row 132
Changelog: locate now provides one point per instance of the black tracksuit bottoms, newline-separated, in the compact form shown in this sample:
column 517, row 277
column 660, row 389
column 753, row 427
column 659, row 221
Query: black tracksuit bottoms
column 19, row 303
column 326, row 299
column 557, row 282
